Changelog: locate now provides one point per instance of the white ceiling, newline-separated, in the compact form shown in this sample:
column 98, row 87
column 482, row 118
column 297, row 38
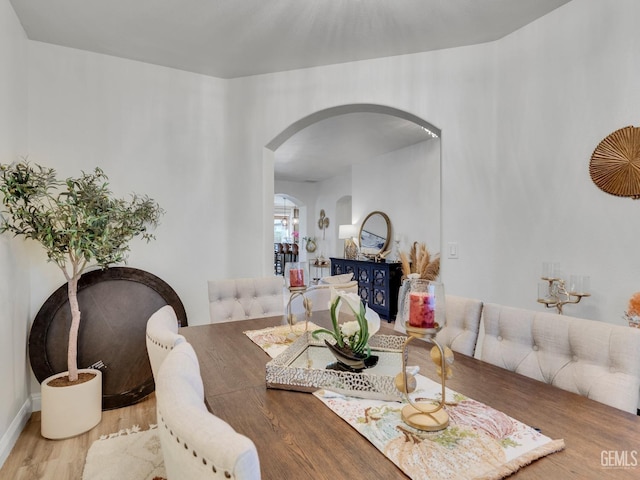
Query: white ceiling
column 235, row 38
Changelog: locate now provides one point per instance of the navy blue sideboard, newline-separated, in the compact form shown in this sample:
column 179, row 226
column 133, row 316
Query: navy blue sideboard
column 378, row 283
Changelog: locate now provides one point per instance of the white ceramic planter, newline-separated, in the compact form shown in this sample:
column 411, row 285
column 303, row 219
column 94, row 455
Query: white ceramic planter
column 72, row 410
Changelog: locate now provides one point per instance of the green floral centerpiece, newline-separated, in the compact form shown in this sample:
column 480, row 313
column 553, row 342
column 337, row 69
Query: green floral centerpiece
column 351, row 347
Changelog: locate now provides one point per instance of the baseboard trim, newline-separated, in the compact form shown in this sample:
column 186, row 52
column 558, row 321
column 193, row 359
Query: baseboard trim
column 12, row 434
column 36, row 402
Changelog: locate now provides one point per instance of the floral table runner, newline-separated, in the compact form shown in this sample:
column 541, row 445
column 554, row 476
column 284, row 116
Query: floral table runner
column 480, row 442
column 275, row 340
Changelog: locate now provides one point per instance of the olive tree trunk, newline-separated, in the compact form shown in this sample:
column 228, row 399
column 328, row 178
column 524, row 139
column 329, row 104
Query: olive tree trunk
column 72, row 351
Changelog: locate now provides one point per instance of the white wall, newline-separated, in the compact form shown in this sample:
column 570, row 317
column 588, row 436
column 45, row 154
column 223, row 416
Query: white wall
column 447, row 88
column 404, row 184
column 520, row 118
column 330, row 192
column 562, row 84
column 155, row 131
column 14, row 280
column 343, row 216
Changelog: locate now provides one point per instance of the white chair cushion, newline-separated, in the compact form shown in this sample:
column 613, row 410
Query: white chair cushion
column 337, row 279
column 463, row 323
column 460, row 333
column 161, row 336
column 595, row 359
column 195, row 443
column 245, row 298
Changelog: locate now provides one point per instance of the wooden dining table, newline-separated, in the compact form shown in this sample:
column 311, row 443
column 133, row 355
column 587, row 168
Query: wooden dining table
column 298, row 437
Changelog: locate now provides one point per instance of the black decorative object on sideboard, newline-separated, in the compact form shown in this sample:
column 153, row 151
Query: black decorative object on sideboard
column 378, row 283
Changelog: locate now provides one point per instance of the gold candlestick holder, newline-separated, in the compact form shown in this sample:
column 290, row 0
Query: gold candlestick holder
column 555, row 295
column 422, row 415
column 291, row 318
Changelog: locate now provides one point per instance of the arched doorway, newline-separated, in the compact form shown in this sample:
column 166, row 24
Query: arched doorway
column 401, row 178
column 288, row 231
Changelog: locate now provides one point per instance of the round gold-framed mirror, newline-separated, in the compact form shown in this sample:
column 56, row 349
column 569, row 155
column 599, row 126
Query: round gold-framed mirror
column 375, row 233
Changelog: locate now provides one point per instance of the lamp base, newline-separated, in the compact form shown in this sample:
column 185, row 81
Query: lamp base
column 430, row 422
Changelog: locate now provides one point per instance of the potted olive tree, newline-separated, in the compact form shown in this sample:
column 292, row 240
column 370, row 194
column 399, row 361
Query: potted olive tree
column 79, row 224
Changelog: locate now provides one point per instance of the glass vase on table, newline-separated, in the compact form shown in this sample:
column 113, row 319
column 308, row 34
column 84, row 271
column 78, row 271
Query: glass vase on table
column 350, row 345
column 296, row 275
column 423, row 314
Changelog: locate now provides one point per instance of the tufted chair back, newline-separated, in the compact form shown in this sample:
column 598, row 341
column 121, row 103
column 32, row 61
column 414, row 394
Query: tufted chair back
column 598, row 360
column 195, row 443
column 162, row 336
column 245, row 298
column 460, row 333
column 320, row 296
column 463, row 323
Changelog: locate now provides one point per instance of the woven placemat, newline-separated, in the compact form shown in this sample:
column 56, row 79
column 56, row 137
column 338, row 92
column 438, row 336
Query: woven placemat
column 275, row 340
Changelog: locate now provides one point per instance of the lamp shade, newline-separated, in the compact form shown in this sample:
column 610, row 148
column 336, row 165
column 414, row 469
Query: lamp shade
column 347, row 231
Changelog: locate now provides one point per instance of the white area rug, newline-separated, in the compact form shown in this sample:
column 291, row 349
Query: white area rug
column 129, row 454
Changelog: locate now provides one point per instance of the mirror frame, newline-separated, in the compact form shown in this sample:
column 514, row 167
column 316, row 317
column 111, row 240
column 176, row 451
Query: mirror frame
column 387, row 240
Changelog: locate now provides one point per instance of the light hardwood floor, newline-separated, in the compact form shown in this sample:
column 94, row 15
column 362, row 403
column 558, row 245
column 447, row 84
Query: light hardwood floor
column 36, row 458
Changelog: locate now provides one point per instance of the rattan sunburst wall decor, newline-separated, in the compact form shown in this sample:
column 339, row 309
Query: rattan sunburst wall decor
column 615, row 163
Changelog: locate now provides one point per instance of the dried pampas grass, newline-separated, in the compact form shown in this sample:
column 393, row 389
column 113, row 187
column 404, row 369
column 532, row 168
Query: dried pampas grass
column 406, row 265
column 420, row 261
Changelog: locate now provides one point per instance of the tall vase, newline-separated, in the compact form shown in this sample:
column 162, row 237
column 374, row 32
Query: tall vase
column 423, row 316
column 404, row 288
column 296, row 275
column 421, row 304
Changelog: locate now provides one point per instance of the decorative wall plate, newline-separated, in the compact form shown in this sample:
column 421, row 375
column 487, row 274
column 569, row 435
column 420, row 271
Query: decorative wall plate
column 615, row 163
column 311, row 246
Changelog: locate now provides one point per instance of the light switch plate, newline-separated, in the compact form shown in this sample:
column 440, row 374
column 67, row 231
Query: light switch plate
column 453, row 250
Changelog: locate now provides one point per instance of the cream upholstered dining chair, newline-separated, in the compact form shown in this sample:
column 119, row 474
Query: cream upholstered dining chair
column 595, row 359
column 460, row 333
column 162, row 336
column 195, row 443
column 245, row 298
column 320, row 294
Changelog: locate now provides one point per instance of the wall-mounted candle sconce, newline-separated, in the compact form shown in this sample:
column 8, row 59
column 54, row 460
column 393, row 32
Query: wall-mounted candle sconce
column 553, row 292
column 323, row 222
